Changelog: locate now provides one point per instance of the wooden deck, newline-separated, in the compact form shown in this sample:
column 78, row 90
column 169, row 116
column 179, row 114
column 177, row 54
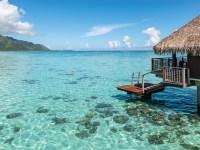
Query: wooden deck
column 131, row 89
column 137, row 88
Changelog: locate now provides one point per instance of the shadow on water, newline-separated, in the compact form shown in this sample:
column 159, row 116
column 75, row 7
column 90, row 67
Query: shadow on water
column 174, row 99
column 177, row 99
column 122, row 97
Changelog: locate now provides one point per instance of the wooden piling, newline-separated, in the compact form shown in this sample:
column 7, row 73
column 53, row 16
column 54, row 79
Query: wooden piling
column 146, row 97
column 198, row 98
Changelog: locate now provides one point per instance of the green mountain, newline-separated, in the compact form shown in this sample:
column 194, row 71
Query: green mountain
column 11, row 44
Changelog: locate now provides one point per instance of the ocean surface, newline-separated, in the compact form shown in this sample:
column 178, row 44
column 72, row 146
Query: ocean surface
column 68, row 101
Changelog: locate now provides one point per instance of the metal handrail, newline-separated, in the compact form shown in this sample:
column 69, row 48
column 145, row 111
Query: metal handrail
column 143, row 76
column 133, row 77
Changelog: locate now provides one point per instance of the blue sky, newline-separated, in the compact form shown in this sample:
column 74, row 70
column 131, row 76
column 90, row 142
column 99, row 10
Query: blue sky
column 96, row 24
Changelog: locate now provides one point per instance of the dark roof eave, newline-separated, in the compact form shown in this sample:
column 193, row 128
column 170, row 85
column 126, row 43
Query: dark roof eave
column 169, row 50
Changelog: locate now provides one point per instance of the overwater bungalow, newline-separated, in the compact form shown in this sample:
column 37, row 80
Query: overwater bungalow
column 182, row 69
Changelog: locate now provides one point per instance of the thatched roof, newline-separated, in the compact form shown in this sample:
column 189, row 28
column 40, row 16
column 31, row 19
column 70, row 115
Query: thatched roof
column 184, row 40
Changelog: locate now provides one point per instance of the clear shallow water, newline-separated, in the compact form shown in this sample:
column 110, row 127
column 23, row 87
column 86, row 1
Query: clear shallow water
column 68, row 100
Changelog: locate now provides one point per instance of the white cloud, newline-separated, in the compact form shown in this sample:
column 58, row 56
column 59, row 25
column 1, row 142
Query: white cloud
column 114, row 44
column 87, row 45
column 10, row 19
column 127, row 41
column 154, row 36
column 101, row 30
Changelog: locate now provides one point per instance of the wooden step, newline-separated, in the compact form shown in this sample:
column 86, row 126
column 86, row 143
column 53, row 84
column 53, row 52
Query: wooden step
column 137, row 88
column 131, row 89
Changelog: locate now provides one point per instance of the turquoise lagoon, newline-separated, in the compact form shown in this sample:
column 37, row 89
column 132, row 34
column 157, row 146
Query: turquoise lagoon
column 68, row 100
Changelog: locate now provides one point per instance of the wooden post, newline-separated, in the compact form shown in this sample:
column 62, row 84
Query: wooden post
column 164, row 74
column 174, row 60
column 198, row 97
column 188, row 76
column 143, row 84
column 183, row 77
column 146, row 97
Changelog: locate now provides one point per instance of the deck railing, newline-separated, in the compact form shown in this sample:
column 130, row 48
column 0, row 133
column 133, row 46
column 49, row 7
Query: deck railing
column 162, row 67
column 159, row 63
column 177, row 76
column 171, row 75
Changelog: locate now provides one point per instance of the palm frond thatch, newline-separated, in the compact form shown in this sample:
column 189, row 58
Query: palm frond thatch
column 184, row 40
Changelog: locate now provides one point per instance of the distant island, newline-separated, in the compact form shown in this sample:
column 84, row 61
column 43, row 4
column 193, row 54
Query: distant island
column 11, row 44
